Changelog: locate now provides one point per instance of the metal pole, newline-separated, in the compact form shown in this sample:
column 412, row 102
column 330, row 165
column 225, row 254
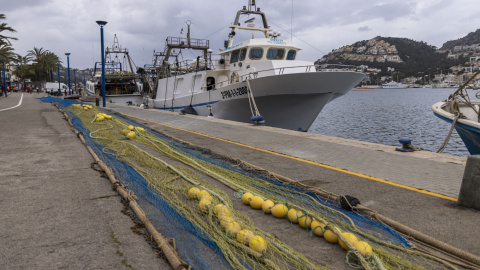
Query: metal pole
column 68, row 66
column 3, row 78
column 75, row 81
column 58, row 75
column 103, row 68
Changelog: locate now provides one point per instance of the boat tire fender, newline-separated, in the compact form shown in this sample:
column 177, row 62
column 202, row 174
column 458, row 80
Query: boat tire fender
column 348, row 202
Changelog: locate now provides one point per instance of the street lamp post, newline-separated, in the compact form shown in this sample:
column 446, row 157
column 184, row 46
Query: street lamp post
column 4, row 82
column 68, row 67
column 75, row 81
column 102, row 24
column 58, row 78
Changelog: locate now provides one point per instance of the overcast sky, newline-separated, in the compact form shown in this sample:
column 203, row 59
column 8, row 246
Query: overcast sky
column 142, row 26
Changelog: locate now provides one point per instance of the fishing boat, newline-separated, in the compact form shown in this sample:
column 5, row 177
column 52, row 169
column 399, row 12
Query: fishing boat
column 258, row 80
column 122, row 84
column 463, row 113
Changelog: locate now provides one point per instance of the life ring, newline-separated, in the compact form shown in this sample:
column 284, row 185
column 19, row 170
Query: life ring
column 234, row 77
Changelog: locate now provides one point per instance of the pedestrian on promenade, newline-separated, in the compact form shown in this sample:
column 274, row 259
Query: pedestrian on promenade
column 28, row 89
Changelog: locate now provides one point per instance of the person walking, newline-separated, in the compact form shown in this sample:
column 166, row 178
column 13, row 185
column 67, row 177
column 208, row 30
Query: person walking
column 28, row 89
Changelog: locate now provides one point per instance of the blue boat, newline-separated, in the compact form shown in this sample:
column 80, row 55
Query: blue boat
column 464, row 114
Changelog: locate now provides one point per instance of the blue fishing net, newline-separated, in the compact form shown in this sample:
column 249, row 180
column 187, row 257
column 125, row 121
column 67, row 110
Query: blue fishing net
column 193, row 245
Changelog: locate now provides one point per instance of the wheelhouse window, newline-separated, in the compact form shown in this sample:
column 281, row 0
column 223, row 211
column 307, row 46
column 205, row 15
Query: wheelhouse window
column 291, row 54
column 234, row 57
column 243, row 54
column 256, row 53
column 275, row 54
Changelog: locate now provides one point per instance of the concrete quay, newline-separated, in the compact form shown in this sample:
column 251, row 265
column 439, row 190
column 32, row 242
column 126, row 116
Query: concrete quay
column 59, row 213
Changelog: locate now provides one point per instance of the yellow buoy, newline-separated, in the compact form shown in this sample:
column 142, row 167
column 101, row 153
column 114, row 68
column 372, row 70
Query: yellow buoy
column 233, row 228
column 130, row 127
column 140, row 129
column 304, row 220
column 206, row 196
column 350, row 237
column 201, row 194
column 258, row 244
column 330, row 236
column 131, row 135
column 245, row 236
column 279, row 210
column 192, row 193
column 100, row 118
column 267, row 206
column 204, row 205
column 256, row 202
column 125, row 132
column 364, row 248
column 219, row 207
column 246, row 197
column 108, row 117
column 225, row 221
column 223, row 213
column 292, row 215
column 318, row 228
column 85, row 108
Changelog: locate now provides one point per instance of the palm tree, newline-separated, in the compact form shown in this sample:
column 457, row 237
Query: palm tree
column 6, row 50
column 37, row 54
column 23, row 70
column 50, row 61
column 5, row 27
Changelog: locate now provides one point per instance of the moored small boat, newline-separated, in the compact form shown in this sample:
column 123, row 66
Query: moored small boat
column 464, row 115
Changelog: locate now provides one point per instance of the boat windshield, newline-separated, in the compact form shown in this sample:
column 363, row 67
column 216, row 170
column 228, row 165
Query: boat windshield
column 275, row 54
column 291, row 55
column 243, row 54
column 256, row 53
column 234, row 57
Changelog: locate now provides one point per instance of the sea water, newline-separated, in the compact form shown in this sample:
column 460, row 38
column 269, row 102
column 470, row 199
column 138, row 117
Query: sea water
column 385, row 115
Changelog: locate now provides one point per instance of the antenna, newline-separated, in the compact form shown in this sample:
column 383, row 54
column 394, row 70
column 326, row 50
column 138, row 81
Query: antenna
column 291, row 24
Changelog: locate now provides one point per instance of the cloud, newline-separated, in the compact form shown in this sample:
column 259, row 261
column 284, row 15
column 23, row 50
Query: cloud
column 143, row 25
column 364, row 29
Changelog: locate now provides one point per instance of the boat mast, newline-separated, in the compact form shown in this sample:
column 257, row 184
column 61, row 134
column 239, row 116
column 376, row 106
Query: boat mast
column 236, row 25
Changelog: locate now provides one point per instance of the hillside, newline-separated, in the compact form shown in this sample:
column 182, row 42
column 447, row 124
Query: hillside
column 406, row 56
column 470, row 39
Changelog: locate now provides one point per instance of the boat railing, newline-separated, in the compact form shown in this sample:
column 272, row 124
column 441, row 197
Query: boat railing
column 254, row 75
column 179, row 41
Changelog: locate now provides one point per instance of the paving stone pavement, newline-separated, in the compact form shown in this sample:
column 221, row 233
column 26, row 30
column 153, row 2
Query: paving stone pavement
column 437, row 173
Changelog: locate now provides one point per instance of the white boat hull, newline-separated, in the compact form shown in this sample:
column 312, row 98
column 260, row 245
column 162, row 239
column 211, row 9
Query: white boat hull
column 290, row 101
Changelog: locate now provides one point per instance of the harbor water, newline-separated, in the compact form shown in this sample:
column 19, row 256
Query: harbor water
column 385, row 115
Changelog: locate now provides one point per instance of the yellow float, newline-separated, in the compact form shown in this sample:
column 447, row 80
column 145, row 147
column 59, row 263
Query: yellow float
column 258, row 244
column 267, row 206
column 246, row 197
column 350, row 237
column 279, row 210
column 292, row 215
column 318, row 228
column 256, row 202
column 233, row 228
column 192, row 193
column 245, row 236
